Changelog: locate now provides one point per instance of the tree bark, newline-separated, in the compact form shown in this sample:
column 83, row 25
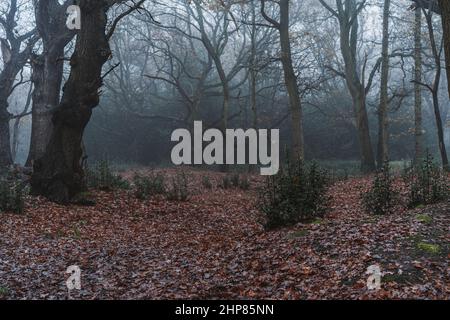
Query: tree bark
column 47, row 79
column 440, row 132
column 445, row 10
column 59, row 174
column 47, row 72
column 5, row 140
column 383, row 121
column 298, row 149
column 418, row 129
column 435, row 91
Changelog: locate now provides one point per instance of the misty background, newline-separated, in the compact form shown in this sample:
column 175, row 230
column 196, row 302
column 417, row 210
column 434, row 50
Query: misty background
column 166, row 79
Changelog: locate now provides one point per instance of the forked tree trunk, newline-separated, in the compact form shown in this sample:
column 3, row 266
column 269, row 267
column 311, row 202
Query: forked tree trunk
column 59, row 175
column 47, row 71
column 347, row 15
column 348, row 41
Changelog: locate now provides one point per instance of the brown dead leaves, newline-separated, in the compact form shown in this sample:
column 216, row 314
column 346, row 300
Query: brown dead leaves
column 214, row 247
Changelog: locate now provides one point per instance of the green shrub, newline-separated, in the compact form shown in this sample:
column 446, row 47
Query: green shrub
column 101, row 177
column 148, row 186
column 12, row 196
column 427, row 183
column 297, row 194
column 179, row 188
column 382, row 198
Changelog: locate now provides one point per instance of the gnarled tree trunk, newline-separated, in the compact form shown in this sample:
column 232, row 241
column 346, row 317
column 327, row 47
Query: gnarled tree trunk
column 47, row 72
column 47, row 78
column 59, row 175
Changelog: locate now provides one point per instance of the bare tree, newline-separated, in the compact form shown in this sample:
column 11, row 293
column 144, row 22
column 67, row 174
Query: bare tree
column 436, row 50
column 347, row 13
column 418, row 126
column 383, row 124
column 59, row 174
column 283, row 27
column 16, row 50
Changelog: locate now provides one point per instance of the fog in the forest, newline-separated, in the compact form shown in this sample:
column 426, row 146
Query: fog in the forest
column 166, row 79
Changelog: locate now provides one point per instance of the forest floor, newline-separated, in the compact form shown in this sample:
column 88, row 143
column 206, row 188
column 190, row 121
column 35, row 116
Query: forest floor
column 214, row 246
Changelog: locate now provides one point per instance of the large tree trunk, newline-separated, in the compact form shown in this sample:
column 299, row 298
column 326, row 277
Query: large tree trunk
column 47, row 79
column 445, row 11
column 383, row 121
column 298, row 149
column 47, row 71
column 362, row 125
column 59, row 175
column 418, row 130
